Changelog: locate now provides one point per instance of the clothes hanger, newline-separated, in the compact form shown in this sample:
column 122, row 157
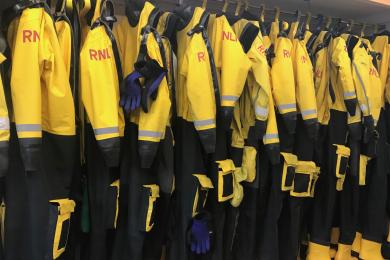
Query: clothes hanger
column 351, row 24
column 307, row 21
column 328, row 23
column 263, row 28
column 363, row 29
column 238, row 8
column 204, row 4
column 277, row 14
column 225, row 6
column 298, row 15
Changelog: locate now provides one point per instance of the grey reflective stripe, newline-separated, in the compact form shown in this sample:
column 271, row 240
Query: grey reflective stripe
column 206, row 122
column 364, row 89
column 28, row 128
column 309, row 112
column 261, row 111
column 106, row 130
column 270, row 136
column 349, row 94
column 229, row 98
column 145, row 133
column 4, row 123
column 287, row 106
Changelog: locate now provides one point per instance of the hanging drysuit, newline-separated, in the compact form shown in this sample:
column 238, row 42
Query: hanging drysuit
column 249, row 129
column 343, row 99
column 146, row 165
column 45, row 128
column 100, row 76
column 284, row 93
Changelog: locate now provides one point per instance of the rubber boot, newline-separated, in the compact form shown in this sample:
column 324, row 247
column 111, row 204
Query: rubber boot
column 343, row 252
column 317, row 252
column 370, row 250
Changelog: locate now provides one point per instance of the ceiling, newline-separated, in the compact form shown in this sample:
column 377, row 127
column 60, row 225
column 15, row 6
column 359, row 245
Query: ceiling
column 359, row 10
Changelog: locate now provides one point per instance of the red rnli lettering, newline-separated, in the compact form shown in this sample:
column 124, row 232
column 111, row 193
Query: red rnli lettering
column 201, row 56
column 303, row 59
column 261, row 49
column 99, row 54
column 318, row 74
column 286, row 54
column 30, row 36
column 228, row 36
column 373, row 72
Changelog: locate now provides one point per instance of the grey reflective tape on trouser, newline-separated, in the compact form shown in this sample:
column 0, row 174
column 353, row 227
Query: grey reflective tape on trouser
column 145, row 133
column 28, row 128
column 261, row 111
column 287, row 106
column 106, row 130
column 348, row 94
column 309, row 112
column 229, row 98
column 270, row 136
column 206, row 122
column 4, row 123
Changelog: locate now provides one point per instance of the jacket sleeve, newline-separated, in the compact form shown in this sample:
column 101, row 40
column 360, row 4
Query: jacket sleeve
column 271, row 137
column 200, row 91
column 4, row 129
column 234, row 69
column 283, row 84
column 304, row 87
column 26, row 86
column 342, row 62
column 100, row 93
column 152, row 125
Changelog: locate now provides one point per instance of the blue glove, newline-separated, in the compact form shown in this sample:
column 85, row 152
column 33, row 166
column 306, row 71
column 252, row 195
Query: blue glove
column 150, row 90
column 131, row 92
column 200, row 236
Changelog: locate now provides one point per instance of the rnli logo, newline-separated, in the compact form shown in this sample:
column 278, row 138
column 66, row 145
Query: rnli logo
column 99, row 54
column 374, row 72
column 261, row 49
column 201, row 56
column 318, row 74
column 228, row 36
column 303, row 59
column 30, row 36
column 286, row 54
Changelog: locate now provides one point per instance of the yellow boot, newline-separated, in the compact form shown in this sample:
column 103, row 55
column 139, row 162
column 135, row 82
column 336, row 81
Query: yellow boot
column 370, row 250
column 356, row 246
column 317, row 252
column 343, row 252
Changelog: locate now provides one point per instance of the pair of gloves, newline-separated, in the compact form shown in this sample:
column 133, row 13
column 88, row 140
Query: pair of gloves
column 133, row 93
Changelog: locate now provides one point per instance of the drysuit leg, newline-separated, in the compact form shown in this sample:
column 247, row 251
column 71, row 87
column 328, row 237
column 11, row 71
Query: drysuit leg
column 375, row 222
column 325, row 193
column 99, row 181
column 16, row 200
column 190, row 161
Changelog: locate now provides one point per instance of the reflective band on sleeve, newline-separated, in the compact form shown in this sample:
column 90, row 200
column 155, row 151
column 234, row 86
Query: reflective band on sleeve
column 206, row 122
column 270, row 136
column 229, row 98
column 28, row 128
column 261, row 111
column 4, row 123
column 106, row 130
column 309, row 112
column 348, row 94
column 287, row 106
column 362, row 107
column 145, row 133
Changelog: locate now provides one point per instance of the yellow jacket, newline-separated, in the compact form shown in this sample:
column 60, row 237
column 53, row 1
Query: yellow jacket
column 47, row 103
column 195, row 90
column 304, row 85
column 283, row 83
column 341, row 79
column 151, row 125
column 100, row 92
column 322, row 78
column 381, row 45
column 4, row 128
